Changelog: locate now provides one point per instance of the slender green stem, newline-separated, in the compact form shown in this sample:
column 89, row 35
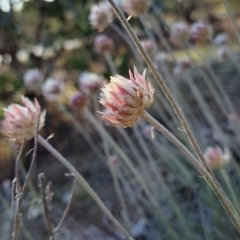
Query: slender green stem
column 85, row 185
column 206, row 175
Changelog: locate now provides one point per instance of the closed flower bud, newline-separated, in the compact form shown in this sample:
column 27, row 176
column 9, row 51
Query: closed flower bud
column 20, row 122
column 126, row 99
column 103, row 44
column 90, row 82
column 33, row 80
column 221, row 39
column 216, row 158
column 78, row 100
column 51, row 87
column 201, row 31
column 179, row 33
column 101, row 16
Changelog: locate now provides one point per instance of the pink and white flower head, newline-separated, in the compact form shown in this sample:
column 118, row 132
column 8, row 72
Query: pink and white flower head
column 215, row 157
column 20, row 122
column 160, row 59
column 135, row 8
column 113, row 161
column 103, row 44
column 78, row 100
column 223, row 53
column 33, row 80
column 201, row 31
column 126, row 99
column 90, row 82
column 148, row 46
column 179, row 33
column 51, row 87
column 221, row 39
column 183, row 64
column 101, row 16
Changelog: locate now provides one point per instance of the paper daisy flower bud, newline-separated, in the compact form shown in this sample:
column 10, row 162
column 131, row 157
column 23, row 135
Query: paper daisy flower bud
column 20, row 122
column 51, row 87
column 179, row 33
column 201, row 31
column 90, row 82
column 33, row 80
column 103, row 44
column 221, row 39
column 148, row 46
column 78, row 100
column 126, row 99
column 135, row 8
column 216, row 158
column 101, row 16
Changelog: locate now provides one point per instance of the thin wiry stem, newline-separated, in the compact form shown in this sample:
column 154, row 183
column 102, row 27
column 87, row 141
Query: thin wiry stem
column 45, row 205
column 85, row 185
column 159, row 80
column 206, row 175
column 58, row 227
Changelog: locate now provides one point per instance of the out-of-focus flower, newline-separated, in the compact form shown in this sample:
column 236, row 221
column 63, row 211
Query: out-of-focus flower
column 101, row 16
column 90, row 82
column 221, row 39
column 135, row 8
column 33, row 79
column 22, row 56
column 78, row 100
column 160, row 59
column 148, row 46
column 179, row 33
column 20, row 122
column 113, row 161
column 215, row 157
column 51, row 87
column 201, row 31
column 148, row 131
column 103, row 44
column 223, row 53
column 126, row 98
column 182, row 65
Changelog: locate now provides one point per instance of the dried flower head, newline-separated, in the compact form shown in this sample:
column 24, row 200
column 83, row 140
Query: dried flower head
column 90, row 82
column 201, row 31
column 179, row 33
column 103, row 44
column 215, row 157
column 101, row 16
column 20, row 122
column 135, row 8
column 148, row 46
column 221, row 39
column 78, row 100
column 33, row 80
column 51, row 87
column 126, row 98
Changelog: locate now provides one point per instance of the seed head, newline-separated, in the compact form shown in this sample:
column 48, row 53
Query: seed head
column 103, row 44
column 101, row 16
column 215, row 157
column 126, row 99
column 135, row 8
column 20, row 122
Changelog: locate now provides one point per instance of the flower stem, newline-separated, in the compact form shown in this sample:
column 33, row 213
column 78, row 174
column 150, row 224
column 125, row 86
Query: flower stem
column 85, row 185
column 206, row 175
column 160, row 82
